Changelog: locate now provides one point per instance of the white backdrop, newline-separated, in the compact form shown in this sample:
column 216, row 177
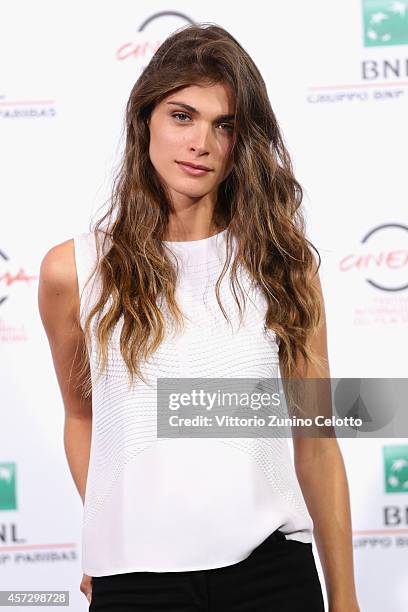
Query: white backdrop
column 337, row 79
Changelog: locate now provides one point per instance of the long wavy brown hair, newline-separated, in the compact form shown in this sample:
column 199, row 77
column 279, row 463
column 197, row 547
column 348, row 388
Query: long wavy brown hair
column 136, row 271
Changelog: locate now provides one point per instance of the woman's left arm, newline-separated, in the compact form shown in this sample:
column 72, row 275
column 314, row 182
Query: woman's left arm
column 322, row 477
column 324, row 486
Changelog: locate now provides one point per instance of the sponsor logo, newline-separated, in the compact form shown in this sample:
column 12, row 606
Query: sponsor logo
column 385, row 22
column 8, row 500
column 396, row 468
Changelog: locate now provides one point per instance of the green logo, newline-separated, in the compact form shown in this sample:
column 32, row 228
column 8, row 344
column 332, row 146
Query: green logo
column 385, row 22
column 396, row 469
column 8, row 486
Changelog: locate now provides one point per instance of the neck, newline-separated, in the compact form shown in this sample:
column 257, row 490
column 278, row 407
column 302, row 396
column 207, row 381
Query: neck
column 192, row 234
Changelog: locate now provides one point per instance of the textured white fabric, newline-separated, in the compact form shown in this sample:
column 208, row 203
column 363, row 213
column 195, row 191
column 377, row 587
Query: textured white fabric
column 163, row 504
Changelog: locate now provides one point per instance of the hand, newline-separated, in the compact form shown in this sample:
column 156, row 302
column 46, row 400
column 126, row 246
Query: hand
column 86, row 587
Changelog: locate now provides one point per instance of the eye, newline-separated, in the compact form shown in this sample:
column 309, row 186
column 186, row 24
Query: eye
column 228, row 125
column 178, row 114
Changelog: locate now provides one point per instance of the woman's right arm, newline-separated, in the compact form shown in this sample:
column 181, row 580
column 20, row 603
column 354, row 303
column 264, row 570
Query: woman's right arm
column 58, row 302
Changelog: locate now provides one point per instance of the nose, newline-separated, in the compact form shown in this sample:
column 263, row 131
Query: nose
column 201, row 140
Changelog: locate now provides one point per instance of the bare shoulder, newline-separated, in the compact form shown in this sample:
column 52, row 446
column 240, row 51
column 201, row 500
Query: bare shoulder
column 58, row 270
column 58, row 281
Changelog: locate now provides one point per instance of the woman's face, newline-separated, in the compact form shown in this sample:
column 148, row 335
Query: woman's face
column 194, row 125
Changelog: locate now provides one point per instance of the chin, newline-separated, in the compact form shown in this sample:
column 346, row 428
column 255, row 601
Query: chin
column 193, row 194
column 189, row 191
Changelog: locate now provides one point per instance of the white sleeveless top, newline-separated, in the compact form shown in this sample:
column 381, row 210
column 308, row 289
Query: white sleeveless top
column 177, row 504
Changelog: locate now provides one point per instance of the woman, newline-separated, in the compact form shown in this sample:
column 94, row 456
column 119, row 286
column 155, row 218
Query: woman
column 205, row 240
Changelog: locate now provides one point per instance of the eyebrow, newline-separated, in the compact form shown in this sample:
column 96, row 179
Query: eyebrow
column 191, row 109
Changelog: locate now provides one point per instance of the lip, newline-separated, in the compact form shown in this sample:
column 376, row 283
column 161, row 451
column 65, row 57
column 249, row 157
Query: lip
column 193, row 169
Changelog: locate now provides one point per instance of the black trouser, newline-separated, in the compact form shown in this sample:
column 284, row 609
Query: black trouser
column 279, row 575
